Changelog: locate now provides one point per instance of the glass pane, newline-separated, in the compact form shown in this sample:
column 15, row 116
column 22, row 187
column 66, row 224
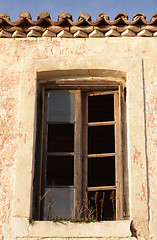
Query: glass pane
column 101, row 108
column 101, row 204
column 58, row 202
column 61, row 106
column 101, row 171
column 60, row 171
column 101, row 139
column 60, row 138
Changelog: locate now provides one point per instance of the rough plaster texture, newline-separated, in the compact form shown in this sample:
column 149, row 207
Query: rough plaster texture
column 22, row 63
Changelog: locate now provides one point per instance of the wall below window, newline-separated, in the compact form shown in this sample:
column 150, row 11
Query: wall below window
column 25, row 62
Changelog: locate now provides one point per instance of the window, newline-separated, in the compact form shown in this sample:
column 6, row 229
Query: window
column 78, row 167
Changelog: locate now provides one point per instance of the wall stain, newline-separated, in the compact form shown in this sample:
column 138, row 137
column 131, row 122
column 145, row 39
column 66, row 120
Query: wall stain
column 136, row 158
column 141, row 196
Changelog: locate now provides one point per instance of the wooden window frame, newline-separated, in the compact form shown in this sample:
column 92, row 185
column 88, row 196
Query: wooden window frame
column 80, row 158
column 118, row 157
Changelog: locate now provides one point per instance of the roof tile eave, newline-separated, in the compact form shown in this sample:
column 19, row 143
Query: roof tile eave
column 25, row 24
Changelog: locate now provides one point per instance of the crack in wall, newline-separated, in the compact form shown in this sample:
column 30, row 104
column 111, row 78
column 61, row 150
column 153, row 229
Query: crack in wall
column 146, row 150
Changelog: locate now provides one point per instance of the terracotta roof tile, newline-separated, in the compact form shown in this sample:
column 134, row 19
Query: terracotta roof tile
column 44, row 26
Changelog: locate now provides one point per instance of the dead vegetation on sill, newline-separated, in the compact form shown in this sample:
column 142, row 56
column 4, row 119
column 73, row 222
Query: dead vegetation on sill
column 73, row 220
column 62, row 220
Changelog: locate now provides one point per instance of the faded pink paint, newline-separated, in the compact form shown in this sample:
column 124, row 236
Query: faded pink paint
column 136, row 158
column 25, row 138
column 141, row 196
column 31, row 91
column 151, row 107
column 9, row 82
column 56, row 43
column 143, row 193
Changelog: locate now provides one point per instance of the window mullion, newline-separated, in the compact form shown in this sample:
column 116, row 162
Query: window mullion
column 85, row 151
column 118, row 161
column 43, row 154
column 78, row 155
column 126, row 210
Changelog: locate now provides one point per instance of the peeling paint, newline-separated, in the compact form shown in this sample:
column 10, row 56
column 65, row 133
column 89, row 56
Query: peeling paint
column 136, row 158
column 141, row 196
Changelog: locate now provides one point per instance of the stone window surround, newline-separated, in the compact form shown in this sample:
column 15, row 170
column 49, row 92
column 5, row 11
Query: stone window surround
column 23, row 198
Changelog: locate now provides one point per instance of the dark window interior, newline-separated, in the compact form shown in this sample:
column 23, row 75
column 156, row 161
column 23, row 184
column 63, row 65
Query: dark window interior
column 101, row 171
column 60, row 171
column 101, row 139
column 101, row 108
column 60, row 138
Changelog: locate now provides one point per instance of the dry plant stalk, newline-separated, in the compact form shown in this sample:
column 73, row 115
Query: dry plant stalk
column 102, row 202
column 89, row 204
column 90, row 211
column 79, row 211
column 41, row 198
column 96, row 207
column 95, row 201
column 112, row 198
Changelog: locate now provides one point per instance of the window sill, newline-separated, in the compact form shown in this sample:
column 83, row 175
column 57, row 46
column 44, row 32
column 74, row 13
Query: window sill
column 48, row 229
